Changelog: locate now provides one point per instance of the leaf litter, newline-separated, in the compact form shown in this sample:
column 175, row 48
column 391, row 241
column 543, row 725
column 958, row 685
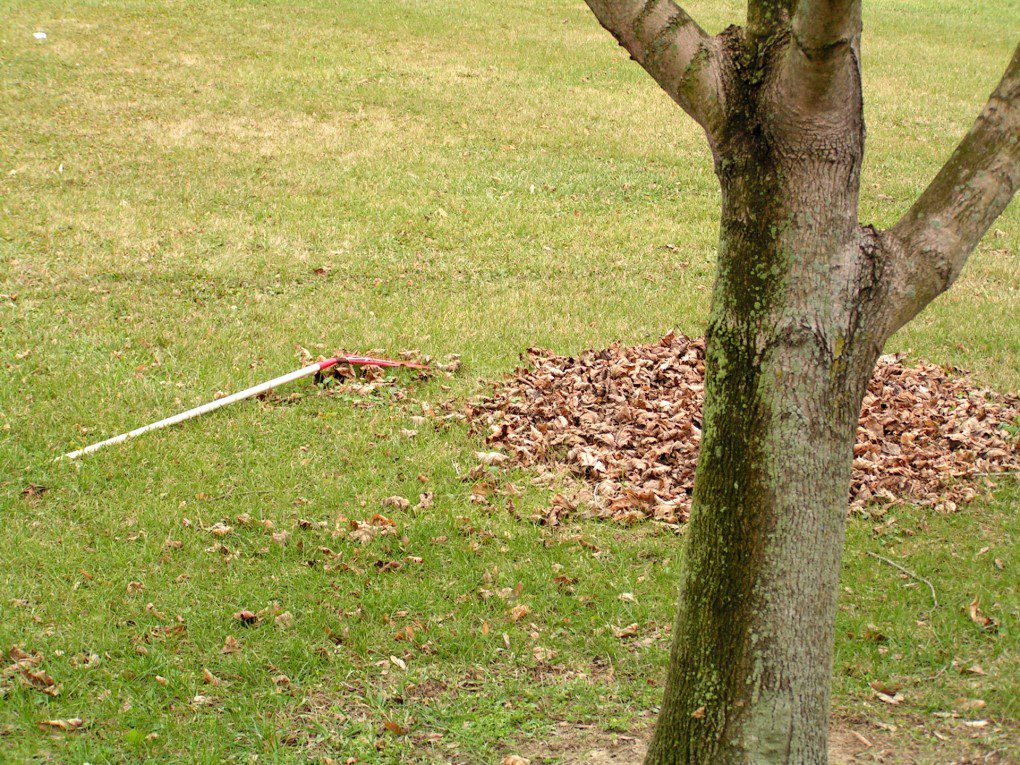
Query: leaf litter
column 627, row 421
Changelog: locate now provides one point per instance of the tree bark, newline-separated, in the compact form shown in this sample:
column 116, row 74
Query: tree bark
column 789, row 356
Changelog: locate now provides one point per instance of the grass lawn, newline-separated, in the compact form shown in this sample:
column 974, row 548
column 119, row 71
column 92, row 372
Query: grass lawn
column 191, row 192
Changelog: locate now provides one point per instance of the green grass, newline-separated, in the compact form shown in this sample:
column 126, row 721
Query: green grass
column 474, row 178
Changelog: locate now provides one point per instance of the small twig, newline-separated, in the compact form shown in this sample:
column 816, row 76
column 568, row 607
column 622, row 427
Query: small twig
column 908, row 572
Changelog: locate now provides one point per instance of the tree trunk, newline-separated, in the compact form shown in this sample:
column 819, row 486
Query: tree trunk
column 804, row 300
column 789, row 355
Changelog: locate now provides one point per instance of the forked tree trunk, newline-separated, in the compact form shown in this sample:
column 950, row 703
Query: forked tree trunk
column 788, row 359
column 804, row 299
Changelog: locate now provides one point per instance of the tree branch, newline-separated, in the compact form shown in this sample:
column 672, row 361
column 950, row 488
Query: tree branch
column 822, row 27
column 671, row 47
column 932, row 241
column 821, row 70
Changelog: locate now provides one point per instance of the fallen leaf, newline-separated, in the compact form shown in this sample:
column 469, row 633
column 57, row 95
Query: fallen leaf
column 863, row 739
column 513, row 759
column 394, row 728
column 38, row 680
column 987, row 623
column 230, row 645
column 519, row 611
column 889, row 699
column 698, row 713
column 284, row 620
column 210, row 678
column 491, row 458
column 625, row 632
column 246, row 618
column 220, row 529
column 397, row 502
column 70, row 725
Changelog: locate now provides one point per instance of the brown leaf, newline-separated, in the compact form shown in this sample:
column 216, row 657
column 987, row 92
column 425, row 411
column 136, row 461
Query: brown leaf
column 210, row 678
column 220, row 529
column 519, row 611
column 629, row 631
column 70, row 725
column 491, row 458
column 987, row 623
column 246, row 617
column 230, row 645
column 395, row 728
column 889, row 699
column 39, row 680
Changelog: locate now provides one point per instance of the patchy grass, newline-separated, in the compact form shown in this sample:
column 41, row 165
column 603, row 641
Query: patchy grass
column 190, row 191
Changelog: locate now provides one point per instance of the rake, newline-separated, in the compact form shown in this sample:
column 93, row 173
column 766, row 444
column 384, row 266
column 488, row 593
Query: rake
column 255, row 390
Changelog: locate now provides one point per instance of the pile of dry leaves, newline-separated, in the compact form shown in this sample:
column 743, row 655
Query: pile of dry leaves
column 627, row 420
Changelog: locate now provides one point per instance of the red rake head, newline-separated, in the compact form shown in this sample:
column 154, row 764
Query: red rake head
column 369, row 361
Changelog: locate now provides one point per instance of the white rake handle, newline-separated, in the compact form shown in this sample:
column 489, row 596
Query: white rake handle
column 211, row 406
